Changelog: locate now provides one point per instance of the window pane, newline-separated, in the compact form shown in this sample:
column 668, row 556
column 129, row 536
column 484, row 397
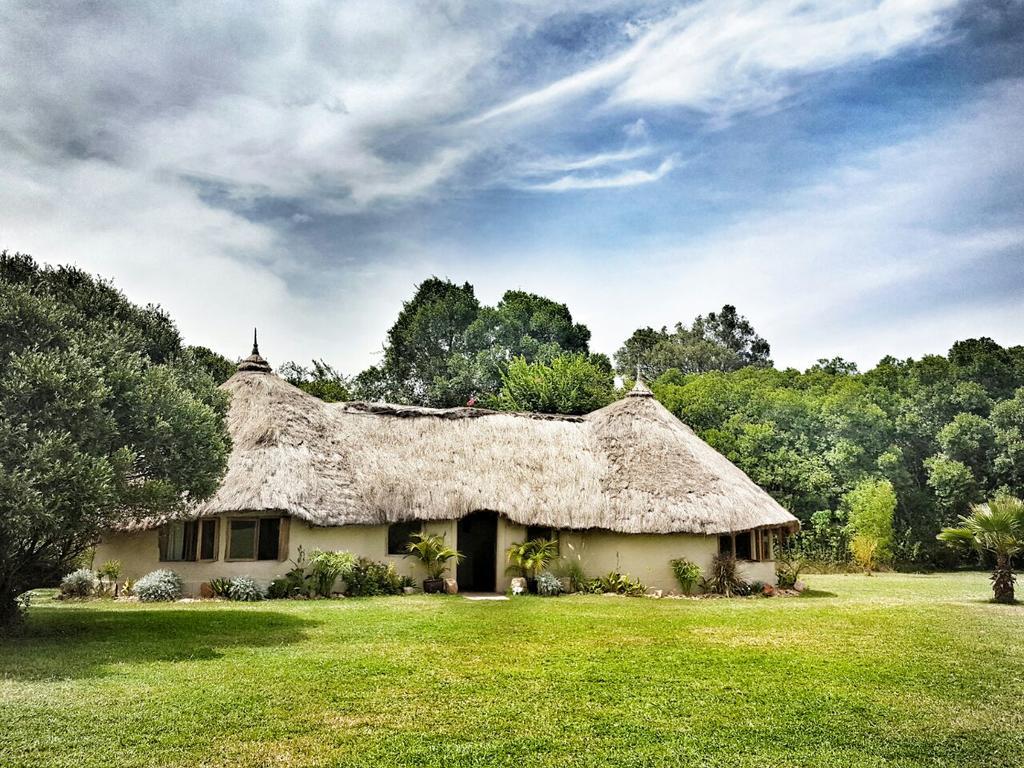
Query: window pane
column 208, row 540
column 270, row 538
column 725, row 545
column 743, row 549
column 175, row 542
column 242, row 541
column 539, row 532
column 400, row 536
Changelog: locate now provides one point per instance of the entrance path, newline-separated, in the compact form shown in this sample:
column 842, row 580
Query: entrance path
column 483, row 596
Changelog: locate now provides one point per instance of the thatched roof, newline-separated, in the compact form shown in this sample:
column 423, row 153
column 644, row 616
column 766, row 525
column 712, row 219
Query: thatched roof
column 630, row 467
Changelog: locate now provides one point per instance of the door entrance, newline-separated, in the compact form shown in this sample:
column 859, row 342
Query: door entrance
column 478, row 541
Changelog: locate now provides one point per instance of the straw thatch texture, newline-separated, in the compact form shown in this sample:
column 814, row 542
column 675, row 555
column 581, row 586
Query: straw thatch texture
column 631, row 467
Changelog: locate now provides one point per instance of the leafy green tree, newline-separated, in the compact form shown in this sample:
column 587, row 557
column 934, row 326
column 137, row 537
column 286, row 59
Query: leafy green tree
column 319, row 379
column 570, row 384
column 952, row 483
column 104, row 418
column 429, row 331
column 718, row 341
column 446, row 348
column 1008, row 422
column 219, row 367
column 969, row 439
column 997, row 528
column 870, row 507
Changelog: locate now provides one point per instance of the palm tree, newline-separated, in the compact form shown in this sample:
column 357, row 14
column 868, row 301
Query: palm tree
column 996, row 527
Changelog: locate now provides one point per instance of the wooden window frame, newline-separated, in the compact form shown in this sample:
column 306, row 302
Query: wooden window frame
column 282, row 539
column 199, row 523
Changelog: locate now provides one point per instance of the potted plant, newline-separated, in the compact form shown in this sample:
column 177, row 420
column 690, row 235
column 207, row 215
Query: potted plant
column 434, row 553
column 529, row 558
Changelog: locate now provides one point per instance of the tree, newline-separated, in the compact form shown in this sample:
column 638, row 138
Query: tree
column 570, row 384
column 319, row 379
column 869, row 512
column 722, row 341
column 429, row 331
column 1008, row 421
column 446, row 348
column 952, row 483
column 219, row 367
column 969, row 439
column 998, row 528
column 104, row 418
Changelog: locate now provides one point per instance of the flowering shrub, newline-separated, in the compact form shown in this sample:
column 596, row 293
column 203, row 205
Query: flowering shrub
column 80, row 583
column 244, row 589
column 159, row 586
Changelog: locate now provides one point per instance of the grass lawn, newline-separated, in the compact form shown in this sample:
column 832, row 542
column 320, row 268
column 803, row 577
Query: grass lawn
column 892, row 670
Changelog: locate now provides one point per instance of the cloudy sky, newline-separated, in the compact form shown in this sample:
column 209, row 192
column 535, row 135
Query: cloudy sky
column 849, row 174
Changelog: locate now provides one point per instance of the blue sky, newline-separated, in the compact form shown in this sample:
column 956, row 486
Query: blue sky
column 849, row 174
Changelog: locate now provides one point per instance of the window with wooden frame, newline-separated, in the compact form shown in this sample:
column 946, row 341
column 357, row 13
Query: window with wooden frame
column 188, row 541
column 400, row 536
column 744, row 548
column 259, row 538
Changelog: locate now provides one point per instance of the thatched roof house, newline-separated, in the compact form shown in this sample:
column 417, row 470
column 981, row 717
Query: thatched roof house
column 629, row 468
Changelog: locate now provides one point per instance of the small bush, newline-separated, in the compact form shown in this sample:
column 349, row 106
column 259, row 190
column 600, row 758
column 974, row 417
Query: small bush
column 328, row 567
column 245, row 590
column 687, row 574
column 159, row 586
column 369, row 578
column 787, row 569
column 81, row 584
column 725, row 578
column 220, row 586
column 573, row 572
column 615, row 583
column 548, row 584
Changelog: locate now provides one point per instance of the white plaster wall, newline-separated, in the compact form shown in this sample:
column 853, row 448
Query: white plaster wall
column 643, row 556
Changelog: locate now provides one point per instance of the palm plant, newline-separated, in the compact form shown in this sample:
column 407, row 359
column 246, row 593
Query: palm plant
column 434, row 553
column 996, row 527
column 531, row 557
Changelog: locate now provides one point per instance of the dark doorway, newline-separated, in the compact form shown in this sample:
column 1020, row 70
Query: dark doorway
column 478, row 541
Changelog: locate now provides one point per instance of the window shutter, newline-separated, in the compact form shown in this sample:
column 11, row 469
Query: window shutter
column 282, row 539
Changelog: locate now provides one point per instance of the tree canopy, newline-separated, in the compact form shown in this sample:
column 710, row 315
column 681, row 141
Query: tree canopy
column 104, row 417
column 718, row 341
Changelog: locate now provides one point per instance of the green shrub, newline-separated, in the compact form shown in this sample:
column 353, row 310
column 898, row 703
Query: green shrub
column 574, row 575
column 328, row 567
column 548, row 584
column 787, row 568
column 871, row 506
column 529, row 558
column 687, row 574
column 159, row 586
column 369, row 578
column 615, row 583
column 724, row 578
column 81, row 583
column 244, row 589
column 110, row 572
column 220, row 586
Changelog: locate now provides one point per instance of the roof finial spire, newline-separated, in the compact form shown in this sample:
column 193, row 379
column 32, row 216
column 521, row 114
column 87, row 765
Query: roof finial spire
column 639, row 388
column 254, row 362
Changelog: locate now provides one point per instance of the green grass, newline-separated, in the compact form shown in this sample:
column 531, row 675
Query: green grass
column 892, row 670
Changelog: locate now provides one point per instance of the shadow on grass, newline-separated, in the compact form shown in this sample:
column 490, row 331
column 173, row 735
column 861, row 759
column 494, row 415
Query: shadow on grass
column 813, row 593
column 62, row 643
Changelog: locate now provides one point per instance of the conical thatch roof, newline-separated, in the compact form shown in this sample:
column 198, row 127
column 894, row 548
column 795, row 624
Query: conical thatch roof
column 630, row 467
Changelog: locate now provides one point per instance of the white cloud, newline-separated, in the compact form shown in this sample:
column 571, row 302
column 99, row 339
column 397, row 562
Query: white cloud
column 727, row 56
column 629, row 178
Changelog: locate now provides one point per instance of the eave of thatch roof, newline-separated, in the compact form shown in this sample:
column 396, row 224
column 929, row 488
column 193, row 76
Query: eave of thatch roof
column 631, row 467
